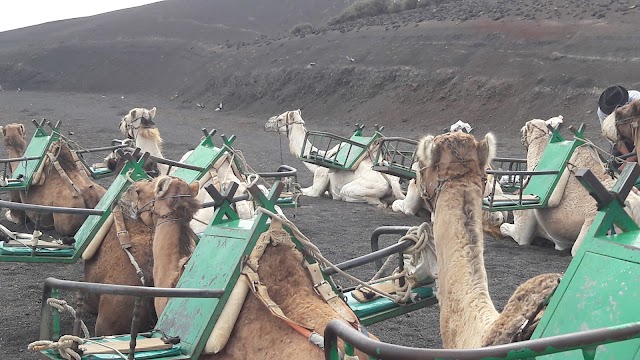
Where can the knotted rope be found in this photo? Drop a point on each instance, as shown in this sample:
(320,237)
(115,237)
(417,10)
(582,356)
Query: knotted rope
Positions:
(62,306)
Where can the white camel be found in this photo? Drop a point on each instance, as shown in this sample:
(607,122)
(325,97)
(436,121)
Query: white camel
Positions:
(360,185)
(138,126)
(571,211)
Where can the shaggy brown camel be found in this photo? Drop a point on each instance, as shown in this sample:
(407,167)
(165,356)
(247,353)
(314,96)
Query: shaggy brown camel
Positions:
(14,140)
(52,189)
(160,240)
(626,119)
(453,166)
(257,333)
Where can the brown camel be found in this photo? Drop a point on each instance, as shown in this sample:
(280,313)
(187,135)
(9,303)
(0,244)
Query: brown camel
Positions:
(51,188)
(627,118)
(14,140)
(158,233)
(453,166)
(257,333)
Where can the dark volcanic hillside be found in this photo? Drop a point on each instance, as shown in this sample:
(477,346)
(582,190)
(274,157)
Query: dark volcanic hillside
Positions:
(488,61)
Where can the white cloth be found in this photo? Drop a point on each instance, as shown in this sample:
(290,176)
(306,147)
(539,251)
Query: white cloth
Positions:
(461,126)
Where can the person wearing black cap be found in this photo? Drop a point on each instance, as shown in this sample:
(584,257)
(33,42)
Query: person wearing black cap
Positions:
(610,99)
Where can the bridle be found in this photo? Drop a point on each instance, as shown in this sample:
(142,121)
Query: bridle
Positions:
(131,127)
(431,199)
(149,206)
(287,124)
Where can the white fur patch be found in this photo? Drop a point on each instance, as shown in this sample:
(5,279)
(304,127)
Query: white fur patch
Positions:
(424,151)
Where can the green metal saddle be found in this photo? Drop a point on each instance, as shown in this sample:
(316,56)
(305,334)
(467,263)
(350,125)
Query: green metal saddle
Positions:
(542,181)
(131,171)
(396,157)
(34,156)
(340,153)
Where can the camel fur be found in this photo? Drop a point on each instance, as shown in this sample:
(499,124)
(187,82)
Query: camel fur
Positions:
(257,333)
(157,247)
(52,189)
(360,185)
(567,220)
(626,120)
(453,166)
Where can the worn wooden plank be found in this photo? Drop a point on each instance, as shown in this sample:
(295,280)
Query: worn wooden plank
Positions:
(149,344)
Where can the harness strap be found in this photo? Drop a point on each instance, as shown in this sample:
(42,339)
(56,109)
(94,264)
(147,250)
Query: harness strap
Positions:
(324,289)
(121,230)
(261,292)
(64,175)
(125,240)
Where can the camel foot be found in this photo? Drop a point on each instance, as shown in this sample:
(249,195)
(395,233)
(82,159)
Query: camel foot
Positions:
(8,216)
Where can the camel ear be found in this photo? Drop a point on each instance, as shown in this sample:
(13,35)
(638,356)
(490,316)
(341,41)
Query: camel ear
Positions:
(194,188)
(22,130)
(133,114)
(163,184)
(486,150)
(3,130)
(425,151)
(152,112)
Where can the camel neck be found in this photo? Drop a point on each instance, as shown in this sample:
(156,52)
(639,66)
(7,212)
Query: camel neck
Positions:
(151,146)
(466,309)
(297,133)
(15,150)
(170,244)
(535,150)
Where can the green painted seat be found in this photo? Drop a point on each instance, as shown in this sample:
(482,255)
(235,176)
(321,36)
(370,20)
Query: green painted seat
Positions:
(132,170)
(396,157)
(543,181)
(601,287)
(349,151)
(40,143)
(381,309)
(204,156)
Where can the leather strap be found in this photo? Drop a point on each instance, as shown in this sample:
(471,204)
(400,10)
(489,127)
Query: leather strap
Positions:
(324,289)
(63,175)
(121,230)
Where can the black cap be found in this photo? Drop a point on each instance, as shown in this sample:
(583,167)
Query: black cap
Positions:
(613,97)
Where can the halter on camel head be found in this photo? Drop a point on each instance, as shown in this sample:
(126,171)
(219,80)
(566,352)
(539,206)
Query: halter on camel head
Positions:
(450,157)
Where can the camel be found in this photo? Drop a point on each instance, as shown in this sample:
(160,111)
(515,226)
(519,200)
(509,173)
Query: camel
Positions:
(60,183)
(453,166)
(625,121)
(155,245)
(413,204)
(360,185)
(567,220)
(138,126)
(257,333)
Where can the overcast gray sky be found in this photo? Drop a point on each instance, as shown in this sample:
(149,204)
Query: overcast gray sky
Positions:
(20,13)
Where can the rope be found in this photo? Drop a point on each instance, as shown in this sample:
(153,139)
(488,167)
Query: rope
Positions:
(63,346)
(66,342)
(313,251)
(62,306)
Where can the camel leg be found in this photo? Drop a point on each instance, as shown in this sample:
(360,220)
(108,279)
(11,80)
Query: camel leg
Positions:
(66,224)
(523,228)
(15,216)
(361,190)
(320,183)
(583,233)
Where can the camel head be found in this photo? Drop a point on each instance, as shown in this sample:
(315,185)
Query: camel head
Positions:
(626,119)
(283,122)
(165,198)
(14,137)
(452,156)
(537,129)
(139,122)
